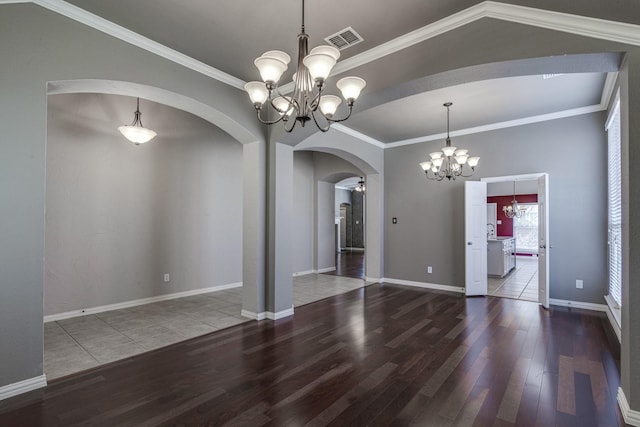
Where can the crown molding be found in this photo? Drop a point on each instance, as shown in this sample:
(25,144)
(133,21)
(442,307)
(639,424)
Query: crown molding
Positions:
(621,32)
(358,135)
(128,36)
(502,125)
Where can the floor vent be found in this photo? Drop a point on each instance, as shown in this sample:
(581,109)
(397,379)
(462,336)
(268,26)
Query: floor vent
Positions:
(344,38)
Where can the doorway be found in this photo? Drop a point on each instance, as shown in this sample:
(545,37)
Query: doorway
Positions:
(350,239)
(514,254)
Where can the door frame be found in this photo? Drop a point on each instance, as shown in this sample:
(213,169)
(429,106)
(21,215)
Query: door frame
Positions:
(528,177)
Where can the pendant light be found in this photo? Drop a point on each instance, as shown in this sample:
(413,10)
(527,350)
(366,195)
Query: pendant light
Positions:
(136,132)
(514,210)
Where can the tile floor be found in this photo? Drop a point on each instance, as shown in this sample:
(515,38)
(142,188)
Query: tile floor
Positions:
(76,344)
(521,283)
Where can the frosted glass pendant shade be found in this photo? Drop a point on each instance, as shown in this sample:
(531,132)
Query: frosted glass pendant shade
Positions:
(351,87)
(425,166)
(435,155)
(284,105)
(277,54)
(473,161)
(137,134)
(257,91)
(326,50)
(319,65)
(329,104)
(448,151)
(270,68)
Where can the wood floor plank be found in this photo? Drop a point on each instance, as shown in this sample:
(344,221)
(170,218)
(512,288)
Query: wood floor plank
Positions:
(384,355)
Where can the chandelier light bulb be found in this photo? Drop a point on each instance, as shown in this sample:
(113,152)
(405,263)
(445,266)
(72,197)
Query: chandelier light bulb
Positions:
(448,151)
(473,161)
(257,91)
(351,87)
(270,68)
(329,104)
(284,105)
(319,66)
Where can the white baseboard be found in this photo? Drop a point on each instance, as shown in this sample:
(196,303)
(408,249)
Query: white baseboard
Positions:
(252,315)
(136,302)
(304,273)
(578,304)
(424,285)
(373,279)
(280,314)
(20,387)
(326,270)
(631,417)
(614,316)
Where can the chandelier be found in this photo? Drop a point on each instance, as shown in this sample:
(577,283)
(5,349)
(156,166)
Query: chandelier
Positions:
(449,163)
(135,132)
(360,188)
(514,210)
(307,102)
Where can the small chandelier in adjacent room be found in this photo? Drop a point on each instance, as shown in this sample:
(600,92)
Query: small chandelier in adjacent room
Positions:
(301,106)
(136,132)
(360,188)
(514,210)
(449,163)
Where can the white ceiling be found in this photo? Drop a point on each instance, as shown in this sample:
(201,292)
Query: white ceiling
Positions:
(397,104)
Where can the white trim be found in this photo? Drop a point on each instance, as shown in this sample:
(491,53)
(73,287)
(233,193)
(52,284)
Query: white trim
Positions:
(524,177)
(252,315)
(136,302)
(370,280)
(502,125)
(630,416)
(303,273)
(94,21)
(280,314)
(596,28)
(425,285)
(621,32)
(614,316)
(578,304)
(613,111)
(358,135)
(608,88)
(326,270)
(20,387)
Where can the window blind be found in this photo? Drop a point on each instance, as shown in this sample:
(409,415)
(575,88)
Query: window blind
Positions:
(615,204)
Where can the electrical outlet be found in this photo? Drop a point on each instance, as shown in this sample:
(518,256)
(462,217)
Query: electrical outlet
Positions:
(429,270)
(579,284)
(167,278)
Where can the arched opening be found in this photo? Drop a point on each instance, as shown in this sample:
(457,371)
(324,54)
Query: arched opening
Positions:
(141,242)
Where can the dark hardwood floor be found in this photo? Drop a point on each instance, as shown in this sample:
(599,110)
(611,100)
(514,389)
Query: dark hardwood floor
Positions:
(384,355)
(349,264)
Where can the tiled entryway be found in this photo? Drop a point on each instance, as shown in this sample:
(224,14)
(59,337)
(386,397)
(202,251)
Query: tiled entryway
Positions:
(80,343)
(521,283)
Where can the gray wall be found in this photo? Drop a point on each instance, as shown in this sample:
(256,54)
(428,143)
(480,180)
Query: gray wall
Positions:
(44,46)
(119,216)
(430,228)
(303,211)
(342,196)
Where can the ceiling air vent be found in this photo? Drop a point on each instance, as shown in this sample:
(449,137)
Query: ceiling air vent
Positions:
(344,38)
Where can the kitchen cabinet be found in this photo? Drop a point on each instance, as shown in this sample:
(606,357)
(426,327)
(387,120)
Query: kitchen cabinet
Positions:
(501,257)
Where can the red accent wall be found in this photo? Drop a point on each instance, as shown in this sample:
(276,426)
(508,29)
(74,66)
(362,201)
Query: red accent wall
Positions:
(506,228)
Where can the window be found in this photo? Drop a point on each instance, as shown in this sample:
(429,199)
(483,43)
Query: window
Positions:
(525,230)
(614,204)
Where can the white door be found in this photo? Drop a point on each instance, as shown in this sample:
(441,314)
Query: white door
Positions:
(475,231)
(543,240)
